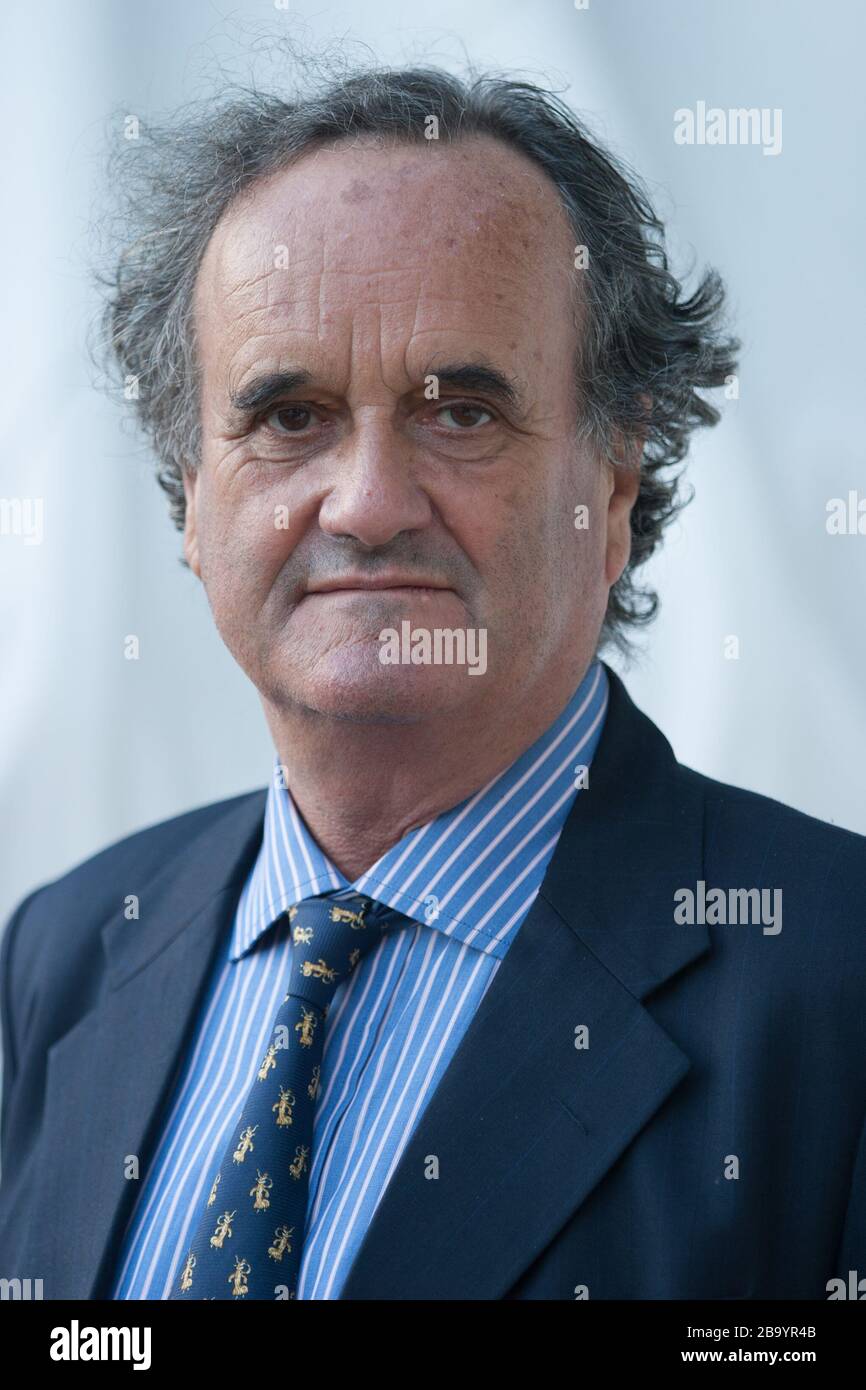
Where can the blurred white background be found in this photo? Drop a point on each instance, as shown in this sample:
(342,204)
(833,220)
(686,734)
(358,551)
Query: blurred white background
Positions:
(95,746)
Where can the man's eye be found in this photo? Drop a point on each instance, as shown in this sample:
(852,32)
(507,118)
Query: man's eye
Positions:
(289,419)
(461,410)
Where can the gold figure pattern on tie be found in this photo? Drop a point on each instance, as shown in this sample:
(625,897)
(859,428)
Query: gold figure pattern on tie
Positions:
(238,1277)
(302,936)
(284,1106)
(318,970)
(223,1229)
(306,1026)
(186,1272)
(245,1144)
(282,1243)
(260,1189)
(298,1165)
(313,1088)
(216,1182)
(269,1061)
(354,919)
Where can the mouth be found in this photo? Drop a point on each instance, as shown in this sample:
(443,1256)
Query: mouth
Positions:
(394,587)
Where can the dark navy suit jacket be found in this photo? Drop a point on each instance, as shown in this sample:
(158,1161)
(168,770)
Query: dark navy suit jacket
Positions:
(602,1171)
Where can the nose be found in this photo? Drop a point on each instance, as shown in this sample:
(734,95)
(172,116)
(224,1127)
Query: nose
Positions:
(375,493)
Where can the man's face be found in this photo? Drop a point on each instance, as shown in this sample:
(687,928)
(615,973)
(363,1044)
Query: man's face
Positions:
(335,498)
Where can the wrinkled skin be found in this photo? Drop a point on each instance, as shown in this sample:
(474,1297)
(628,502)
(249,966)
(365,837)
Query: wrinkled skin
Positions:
(371,268)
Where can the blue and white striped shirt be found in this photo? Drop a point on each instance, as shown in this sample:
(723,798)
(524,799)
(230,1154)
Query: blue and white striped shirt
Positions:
(465,882)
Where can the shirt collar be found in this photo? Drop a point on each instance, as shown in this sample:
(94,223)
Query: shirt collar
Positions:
(472,871)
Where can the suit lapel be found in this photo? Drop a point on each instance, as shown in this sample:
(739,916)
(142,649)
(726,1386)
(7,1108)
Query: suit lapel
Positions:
(117,1065)
(523,1124)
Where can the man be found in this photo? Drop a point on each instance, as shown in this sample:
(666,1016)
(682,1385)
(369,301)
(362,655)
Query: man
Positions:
(486,996)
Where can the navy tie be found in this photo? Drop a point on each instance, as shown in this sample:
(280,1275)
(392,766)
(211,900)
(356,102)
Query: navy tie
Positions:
(249,1236)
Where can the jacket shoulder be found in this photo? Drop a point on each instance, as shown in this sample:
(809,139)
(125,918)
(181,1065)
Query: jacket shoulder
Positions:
(757,806)
(747,822)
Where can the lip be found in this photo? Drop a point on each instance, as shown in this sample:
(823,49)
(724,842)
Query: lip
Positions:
(386,583)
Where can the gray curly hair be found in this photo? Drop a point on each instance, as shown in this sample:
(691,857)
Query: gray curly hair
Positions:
(646,352)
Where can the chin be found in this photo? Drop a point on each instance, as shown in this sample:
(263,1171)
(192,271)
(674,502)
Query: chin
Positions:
(352,684)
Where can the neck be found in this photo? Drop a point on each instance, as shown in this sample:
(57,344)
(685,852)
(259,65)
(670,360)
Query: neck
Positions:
(362,786)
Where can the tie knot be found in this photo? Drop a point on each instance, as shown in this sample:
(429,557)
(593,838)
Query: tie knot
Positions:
(329,937)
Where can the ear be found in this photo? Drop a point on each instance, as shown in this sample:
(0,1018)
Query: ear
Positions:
(190,534)
(625,485)
(624,480)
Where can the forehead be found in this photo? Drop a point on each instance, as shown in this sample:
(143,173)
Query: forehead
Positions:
(413,241)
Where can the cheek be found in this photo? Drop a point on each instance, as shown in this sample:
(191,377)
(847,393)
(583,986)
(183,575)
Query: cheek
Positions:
(546,568)
(538,543)
(244,542)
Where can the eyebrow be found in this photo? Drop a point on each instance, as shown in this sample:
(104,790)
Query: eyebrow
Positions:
(268,387)
(478,376)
